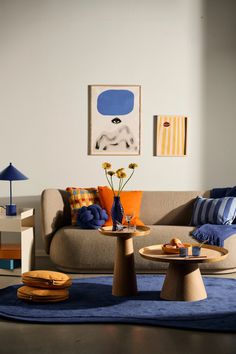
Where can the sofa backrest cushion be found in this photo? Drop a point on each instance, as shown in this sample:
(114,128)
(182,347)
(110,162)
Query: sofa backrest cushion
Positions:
(55,213)
(169,208)
(160,208)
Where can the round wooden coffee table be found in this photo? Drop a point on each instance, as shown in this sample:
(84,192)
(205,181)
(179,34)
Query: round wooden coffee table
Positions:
(183,281)
(124,277)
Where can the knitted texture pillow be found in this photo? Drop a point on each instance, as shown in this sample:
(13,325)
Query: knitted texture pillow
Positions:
(130,200)
(79,197)
(91,217)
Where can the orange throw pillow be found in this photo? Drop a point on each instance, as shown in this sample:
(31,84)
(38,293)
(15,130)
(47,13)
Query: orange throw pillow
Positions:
(130,200)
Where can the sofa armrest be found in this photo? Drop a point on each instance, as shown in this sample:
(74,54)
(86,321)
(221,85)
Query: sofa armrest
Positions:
(55,213)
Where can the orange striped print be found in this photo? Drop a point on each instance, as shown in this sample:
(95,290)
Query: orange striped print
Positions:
(171,135)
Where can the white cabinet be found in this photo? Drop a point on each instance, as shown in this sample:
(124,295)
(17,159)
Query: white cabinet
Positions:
(24,250)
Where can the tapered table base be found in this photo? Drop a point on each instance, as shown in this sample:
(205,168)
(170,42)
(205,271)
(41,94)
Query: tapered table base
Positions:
(183,282)
(124,279)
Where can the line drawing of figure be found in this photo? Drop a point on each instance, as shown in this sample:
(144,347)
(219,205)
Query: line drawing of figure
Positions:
(119,139)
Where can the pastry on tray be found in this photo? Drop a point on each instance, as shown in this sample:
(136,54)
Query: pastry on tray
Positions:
(174,245)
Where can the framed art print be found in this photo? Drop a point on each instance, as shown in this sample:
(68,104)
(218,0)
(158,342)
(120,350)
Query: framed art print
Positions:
(114,119)
(171,135)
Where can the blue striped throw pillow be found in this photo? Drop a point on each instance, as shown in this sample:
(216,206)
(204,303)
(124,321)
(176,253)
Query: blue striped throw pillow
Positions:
(221,211)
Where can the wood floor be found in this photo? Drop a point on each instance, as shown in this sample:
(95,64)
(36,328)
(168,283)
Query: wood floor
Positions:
(17,337)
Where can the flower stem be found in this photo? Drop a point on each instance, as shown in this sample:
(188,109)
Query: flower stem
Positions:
(120,185)
(127,181)
(110,184)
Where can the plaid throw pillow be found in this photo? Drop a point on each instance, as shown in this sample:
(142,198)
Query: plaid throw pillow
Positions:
(220,211)
(79,197)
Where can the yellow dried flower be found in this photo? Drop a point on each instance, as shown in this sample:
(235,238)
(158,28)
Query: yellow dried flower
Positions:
(121,174)
(106,165)
(120,170)
(133,166)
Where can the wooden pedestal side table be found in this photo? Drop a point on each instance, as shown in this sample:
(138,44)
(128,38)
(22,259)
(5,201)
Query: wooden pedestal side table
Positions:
(24,250)
(124,277)
(183,281)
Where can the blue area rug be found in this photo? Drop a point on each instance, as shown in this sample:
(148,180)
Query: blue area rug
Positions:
(91,302)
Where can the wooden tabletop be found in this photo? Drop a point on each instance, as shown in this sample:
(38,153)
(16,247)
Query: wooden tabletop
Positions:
(140,231)
(208,254)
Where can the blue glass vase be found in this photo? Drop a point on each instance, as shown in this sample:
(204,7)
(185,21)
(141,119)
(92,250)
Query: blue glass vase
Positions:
(117,212)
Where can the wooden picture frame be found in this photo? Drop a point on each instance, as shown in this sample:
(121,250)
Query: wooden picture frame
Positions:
(171,135)
(114,119)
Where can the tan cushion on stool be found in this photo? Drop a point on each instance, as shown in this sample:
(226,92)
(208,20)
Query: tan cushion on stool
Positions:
(42,295)
(46,279)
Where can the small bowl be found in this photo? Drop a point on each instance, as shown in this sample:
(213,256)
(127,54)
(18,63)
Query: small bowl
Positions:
(172,249)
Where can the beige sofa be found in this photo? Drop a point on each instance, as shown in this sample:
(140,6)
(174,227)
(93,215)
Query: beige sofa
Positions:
(87,251)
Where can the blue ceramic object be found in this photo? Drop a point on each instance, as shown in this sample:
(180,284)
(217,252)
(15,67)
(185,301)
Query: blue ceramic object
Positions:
(196,251)
(11,209)
(117,212)
(183,251)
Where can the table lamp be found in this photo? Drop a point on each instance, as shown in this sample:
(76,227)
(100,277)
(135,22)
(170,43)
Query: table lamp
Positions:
(10,174)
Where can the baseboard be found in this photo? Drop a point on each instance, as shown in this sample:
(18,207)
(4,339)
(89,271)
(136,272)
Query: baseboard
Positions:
(41,253)
(43,261)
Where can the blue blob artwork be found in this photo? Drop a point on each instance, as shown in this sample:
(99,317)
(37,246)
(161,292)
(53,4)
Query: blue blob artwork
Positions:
(115,102)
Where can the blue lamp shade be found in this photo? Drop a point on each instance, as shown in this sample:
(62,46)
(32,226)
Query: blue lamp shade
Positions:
(10,174)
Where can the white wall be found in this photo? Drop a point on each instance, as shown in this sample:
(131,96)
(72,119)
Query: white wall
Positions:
(219,84)
(51,50)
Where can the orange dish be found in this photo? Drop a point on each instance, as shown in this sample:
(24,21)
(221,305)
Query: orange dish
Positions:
(167,248)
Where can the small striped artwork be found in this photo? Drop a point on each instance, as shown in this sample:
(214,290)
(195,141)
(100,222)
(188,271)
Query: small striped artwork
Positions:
(171,134)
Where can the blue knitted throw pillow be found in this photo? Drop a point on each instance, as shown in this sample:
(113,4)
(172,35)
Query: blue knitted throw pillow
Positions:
(91,217)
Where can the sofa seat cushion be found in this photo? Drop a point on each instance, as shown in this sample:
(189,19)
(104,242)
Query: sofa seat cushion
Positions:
(76,250)
(79,250)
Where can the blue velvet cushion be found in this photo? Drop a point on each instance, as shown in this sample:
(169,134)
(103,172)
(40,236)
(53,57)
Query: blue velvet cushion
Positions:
(221,211)
(231,192)
(91,217)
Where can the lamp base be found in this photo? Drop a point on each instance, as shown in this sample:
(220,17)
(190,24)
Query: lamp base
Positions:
(11,209)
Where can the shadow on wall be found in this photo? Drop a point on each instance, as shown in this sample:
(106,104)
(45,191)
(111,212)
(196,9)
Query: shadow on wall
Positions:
(219,90)
(29,202)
